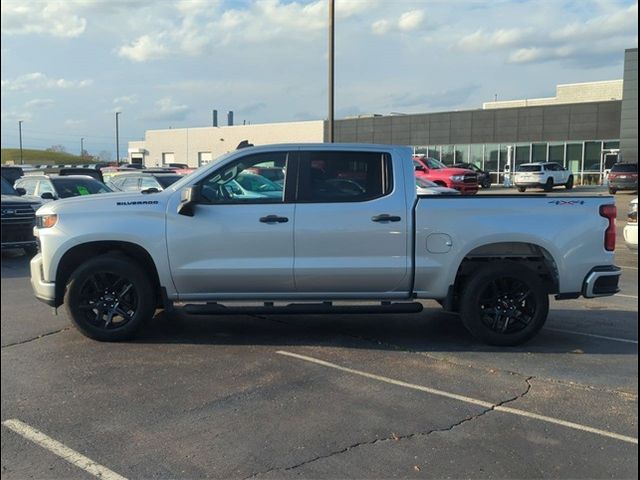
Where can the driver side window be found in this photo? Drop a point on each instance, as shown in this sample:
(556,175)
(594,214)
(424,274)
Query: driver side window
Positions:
(242,181)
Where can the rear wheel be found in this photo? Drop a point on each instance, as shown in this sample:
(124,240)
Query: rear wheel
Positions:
(522,189)
(108,298)
(569,184)
(549,185)
(504,304)
(612,191)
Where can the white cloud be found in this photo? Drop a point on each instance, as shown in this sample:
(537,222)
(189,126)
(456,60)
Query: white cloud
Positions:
(482,41)
(410,21)
(381,27)
(128,99)
(38,80)
(144,48)
(168,109)
(39,103)
(70,122)
(56,18)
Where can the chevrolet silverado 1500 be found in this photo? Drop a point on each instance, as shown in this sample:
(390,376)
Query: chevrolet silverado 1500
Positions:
(347,226)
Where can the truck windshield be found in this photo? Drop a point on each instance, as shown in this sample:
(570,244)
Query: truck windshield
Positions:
(434,164)
(529,168)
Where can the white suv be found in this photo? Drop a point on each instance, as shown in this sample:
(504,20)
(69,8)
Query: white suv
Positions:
(544,175)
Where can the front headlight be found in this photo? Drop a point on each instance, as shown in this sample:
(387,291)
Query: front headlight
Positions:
(46,221)
(632,215)
(457,178)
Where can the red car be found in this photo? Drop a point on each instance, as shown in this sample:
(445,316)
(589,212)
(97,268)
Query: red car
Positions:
(463,180)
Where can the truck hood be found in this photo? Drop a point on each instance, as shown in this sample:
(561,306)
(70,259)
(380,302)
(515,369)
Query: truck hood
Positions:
(108,202)
(456,171)
(17,199)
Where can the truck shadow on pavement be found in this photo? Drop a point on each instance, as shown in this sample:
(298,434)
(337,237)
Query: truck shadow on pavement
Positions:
(430,331)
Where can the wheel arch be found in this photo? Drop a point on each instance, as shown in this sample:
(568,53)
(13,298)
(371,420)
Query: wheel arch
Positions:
(530,255)
(75,256)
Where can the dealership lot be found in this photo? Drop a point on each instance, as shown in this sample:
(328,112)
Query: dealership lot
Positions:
(322,397)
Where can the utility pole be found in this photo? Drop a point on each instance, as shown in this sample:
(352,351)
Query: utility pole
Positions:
(117,141)
(20,133)
(331,63)
(81,148)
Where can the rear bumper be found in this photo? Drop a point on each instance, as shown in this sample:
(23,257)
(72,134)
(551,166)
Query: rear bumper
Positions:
(601,282)
(44,291)
(623,184)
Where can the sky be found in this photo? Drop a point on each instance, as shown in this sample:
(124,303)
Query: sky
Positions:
(68,66)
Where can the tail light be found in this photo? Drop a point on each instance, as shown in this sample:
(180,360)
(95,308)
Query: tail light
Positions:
(609,212)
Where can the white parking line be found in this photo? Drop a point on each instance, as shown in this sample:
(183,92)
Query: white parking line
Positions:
(462,398)
(626,296)
(603,337)
(61,450)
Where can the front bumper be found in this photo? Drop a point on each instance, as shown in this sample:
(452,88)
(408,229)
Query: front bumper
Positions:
(44,291)
(465,188)
(22,244)
(601,282)
(630,233)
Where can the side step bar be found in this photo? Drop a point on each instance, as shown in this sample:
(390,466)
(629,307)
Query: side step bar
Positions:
(302,308)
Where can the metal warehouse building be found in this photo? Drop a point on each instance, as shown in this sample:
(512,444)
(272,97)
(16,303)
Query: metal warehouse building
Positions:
(587,127)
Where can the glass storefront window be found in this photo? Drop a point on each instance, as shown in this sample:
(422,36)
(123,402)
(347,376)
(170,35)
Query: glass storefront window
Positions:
(462,154)
(420,150)
(574,157)
(522,154)
(434,152)
(539,152)
(612,144)
(556,153)
(447,154)
(592,157)
(475,154)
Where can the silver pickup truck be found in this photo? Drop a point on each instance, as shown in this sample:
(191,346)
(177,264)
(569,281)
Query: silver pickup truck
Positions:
(341,230)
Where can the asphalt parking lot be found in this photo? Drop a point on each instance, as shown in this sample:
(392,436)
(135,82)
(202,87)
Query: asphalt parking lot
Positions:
(407,396)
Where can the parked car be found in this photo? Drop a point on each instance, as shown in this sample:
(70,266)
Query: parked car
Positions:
(623,176)
(49,187)
(139,181)
(631,228)
(461,179)
(179,166)
(89,172)
(427,187)
(18,219)
(545,175)
(493,259)
(484,176)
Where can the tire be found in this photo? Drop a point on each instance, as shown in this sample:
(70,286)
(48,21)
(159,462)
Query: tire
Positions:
(504,287)
(569,184)
(612,191)
(109,297)
(549,185)
(522,189)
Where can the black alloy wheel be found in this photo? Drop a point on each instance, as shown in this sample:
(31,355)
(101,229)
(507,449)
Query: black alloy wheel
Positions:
(504,303)
(549,185)
(109,297)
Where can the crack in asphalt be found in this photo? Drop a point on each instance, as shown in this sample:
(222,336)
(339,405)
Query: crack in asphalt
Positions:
(22,342)
(397,438)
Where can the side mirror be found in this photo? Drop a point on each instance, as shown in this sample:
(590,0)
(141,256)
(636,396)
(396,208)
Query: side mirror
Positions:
(21,191)
(47,196)
(188,200)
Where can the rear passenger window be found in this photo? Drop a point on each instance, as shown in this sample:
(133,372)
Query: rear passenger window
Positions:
(331,176)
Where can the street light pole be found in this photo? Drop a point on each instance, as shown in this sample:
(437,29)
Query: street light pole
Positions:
(20,133)
(117,141)
(81,148)
(331,63)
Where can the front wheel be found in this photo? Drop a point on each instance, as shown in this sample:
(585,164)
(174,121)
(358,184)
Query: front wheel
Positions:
(504,304)
(612,191)
(108,298)
(569,184)
(522,189)
(549,185)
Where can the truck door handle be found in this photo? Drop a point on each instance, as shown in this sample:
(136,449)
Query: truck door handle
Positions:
(385,218)
(273,219)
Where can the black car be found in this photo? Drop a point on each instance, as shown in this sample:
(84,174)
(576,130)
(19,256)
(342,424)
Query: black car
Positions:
(623,176)
(484,176)
(144,180)
(18,219)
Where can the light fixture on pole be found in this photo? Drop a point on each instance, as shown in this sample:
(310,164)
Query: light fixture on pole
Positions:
(20,133)
(331,63)
(117,141)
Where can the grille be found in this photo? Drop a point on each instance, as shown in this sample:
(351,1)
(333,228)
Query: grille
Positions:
(471,179)
(17,215)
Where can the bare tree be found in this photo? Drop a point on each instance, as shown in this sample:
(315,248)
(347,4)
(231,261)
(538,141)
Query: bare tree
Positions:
(56,148)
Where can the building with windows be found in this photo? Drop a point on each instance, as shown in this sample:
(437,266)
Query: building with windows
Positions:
(586,127)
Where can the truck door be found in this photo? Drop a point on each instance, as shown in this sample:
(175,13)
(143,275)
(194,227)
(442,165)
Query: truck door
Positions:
(240,238)
(351,225)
